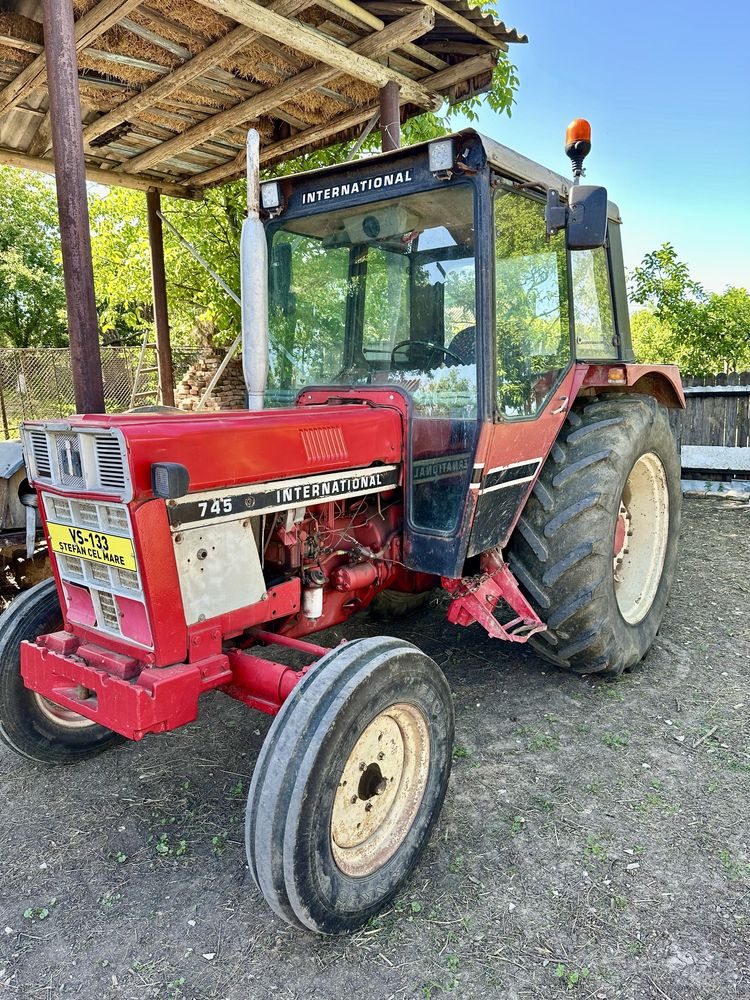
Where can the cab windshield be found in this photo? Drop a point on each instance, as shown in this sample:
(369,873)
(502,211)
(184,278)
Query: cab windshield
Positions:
(381,293)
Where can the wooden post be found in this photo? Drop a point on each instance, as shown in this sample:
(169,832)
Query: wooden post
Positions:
(72,204)
(390,117)
(159,286)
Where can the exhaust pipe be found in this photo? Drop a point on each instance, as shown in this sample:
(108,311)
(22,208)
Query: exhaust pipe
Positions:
(254,284)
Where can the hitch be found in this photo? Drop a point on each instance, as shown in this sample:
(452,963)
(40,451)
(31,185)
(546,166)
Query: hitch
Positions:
(476,597)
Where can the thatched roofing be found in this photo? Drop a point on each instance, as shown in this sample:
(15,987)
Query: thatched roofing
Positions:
(169,87)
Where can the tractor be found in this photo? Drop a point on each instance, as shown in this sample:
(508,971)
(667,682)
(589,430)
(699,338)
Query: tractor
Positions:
(441,394)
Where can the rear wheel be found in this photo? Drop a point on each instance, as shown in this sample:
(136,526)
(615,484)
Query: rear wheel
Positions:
(349,784)
(596,546)
(30,724)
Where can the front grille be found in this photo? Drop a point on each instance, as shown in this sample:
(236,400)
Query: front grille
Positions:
(91,461)
(110,618)
(88,513)
(113,590)
(115,519)
(100,574)
(128,580)
(109,463)
(40,454)
(59,509)
(70,566)
(69,461)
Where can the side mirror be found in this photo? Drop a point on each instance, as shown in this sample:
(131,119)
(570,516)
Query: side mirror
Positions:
(586,226)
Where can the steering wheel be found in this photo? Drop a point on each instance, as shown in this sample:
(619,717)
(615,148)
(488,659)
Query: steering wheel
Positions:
(428,357)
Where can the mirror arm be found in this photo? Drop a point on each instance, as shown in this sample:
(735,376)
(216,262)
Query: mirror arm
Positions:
(555,214)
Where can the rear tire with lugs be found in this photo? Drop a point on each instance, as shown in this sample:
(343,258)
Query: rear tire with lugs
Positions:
(349,784)
(596,546)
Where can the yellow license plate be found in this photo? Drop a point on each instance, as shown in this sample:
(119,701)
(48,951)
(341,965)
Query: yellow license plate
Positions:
(98,546)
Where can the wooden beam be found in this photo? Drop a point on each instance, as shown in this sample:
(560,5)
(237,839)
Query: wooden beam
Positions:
(364,17)
(413,25)
(72,206)
(320,47)
(88,27)
(390,118)
(441,81)
(205,60)
(464,23)
(98,176)
(159,288)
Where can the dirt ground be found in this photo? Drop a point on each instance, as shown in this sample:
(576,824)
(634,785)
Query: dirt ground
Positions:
(595,841)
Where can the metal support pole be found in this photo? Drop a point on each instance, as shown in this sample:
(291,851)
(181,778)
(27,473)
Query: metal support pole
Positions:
(159,288)
(390,117)
(72,204)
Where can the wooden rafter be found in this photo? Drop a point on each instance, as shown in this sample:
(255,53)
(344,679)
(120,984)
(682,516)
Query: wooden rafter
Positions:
(364,17)
(321,47)
(179,78)
(317,133)
(88,27)
(411,26)
(108,177)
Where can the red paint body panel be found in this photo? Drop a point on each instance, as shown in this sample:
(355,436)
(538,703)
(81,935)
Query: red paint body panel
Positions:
(156,701)
(227,449)
(661,381)
(357,547)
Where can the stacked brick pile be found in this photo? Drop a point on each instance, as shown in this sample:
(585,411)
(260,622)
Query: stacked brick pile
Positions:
(229,394)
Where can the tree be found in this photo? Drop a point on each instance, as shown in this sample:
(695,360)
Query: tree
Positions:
(32,294)
(683,324)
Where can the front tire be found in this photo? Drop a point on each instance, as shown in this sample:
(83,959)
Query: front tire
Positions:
(349,784)
(596,546)
(31,725)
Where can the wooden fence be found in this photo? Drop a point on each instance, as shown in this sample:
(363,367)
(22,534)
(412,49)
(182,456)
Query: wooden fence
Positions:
(717,411)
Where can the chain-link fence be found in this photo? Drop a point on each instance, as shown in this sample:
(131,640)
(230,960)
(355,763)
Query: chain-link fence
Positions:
(37,383)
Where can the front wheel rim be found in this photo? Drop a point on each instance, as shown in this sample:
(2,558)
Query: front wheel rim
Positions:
(63,717)
(641,536)
(380,790)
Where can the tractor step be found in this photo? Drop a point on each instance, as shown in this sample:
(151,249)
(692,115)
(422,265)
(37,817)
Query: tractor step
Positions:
(476,598)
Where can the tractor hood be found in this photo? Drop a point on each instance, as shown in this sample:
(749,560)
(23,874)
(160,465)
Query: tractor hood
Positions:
(221,449)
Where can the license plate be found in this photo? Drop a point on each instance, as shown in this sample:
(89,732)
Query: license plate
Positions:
(97,546)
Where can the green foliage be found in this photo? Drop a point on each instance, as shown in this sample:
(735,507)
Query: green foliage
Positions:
(198,307)
(682,324)
(32,295)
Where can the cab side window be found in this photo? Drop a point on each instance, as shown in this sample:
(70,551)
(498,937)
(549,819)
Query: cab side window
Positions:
(532,320)
(592,305)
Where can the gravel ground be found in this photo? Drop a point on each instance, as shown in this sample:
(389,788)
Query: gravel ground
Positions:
(594,842)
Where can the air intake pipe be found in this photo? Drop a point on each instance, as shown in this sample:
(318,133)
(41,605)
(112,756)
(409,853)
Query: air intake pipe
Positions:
(254,284)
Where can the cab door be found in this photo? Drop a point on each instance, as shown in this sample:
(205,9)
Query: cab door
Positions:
(534,371)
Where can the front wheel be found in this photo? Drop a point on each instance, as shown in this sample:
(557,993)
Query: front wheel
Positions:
(349,784)
(30,724)
(596,546)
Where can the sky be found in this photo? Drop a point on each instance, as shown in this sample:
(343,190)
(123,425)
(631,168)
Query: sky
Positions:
(666,87)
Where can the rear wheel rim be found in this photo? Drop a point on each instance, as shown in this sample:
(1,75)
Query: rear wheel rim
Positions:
(641,535)
(60,716)
(380,790)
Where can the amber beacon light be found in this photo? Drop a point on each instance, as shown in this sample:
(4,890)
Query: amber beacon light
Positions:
(578,144)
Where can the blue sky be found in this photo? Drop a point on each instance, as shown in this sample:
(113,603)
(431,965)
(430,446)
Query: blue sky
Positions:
(666,87)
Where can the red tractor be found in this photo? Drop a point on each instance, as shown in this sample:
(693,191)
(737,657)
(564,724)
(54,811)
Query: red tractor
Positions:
(441,394)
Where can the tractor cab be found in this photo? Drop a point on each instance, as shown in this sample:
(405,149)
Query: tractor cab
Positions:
(437,272)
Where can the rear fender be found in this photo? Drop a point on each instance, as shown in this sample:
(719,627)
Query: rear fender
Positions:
(660,381)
